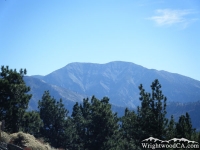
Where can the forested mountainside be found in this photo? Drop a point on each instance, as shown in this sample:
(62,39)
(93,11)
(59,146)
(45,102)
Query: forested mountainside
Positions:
(118,81)
(93,124)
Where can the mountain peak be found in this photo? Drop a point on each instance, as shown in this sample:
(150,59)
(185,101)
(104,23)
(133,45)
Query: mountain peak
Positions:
(120,80)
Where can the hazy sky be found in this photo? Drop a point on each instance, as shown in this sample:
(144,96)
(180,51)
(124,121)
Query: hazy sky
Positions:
(45,35)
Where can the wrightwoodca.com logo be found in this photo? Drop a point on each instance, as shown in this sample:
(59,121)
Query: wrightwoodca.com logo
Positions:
(154,143)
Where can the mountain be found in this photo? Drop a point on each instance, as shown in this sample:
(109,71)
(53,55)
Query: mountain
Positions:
(178,109)
(38,87)
(120,80)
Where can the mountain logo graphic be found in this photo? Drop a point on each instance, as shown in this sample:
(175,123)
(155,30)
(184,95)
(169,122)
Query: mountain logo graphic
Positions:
(152,139)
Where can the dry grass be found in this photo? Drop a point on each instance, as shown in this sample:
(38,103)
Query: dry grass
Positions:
(25,140)
(5,137)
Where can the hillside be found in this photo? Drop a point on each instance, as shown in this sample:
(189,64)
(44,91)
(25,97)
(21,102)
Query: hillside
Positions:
(39,86)
(178,109)
(120,80)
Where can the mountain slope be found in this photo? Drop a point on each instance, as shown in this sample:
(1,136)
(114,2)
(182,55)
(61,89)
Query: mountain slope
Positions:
(39,86)
(120,80)
(178,109)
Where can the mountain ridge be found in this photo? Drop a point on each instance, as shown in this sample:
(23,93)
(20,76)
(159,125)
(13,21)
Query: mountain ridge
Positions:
(120,80)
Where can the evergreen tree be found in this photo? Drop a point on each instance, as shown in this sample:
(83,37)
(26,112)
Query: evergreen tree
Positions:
(85,135)
(171,130)
(96,125)
(13,98)
(31,123)
(53,115)
(80,127)
(70,136)
(104,128)
(198,138)
(151,114)
(129,130)
(184,127)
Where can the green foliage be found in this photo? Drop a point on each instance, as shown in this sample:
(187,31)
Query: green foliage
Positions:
(92,124)
(104,129)
(53,115)
(184,127)
(171,131)
(80,124)
(198,137)
(129,130)
(151,114)
(31,123)
(13,98)
(70,135)
(96,125)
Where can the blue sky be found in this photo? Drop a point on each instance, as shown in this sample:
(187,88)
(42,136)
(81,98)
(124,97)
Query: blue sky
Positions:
(43,36)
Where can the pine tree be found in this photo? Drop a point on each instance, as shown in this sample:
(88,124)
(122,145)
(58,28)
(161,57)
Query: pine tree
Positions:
(129,130)
(79,123)
(184,127)
(104,128)
(151,114)
(171,129)
(87,121)
(53,115)
(96,125)
(69,140)
(13,98)
(32,123)
(198,138)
